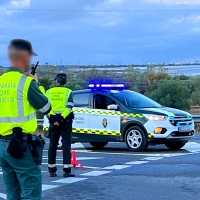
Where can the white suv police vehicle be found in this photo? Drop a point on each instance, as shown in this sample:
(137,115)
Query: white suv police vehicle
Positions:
(105,114)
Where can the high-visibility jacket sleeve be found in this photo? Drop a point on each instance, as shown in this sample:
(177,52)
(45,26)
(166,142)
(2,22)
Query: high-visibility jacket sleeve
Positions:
(69,106)
(37,99)
(42,89)
(51,111)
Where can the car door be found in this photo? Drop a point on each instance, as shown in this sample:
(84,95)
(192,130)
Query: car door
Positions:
(104,124)
(81,122)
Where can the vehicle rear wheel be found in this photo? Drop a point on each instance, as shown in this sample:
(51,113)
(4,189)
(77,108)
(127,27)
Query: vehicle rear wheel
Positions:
(98,145)
(175,145)
(136,139)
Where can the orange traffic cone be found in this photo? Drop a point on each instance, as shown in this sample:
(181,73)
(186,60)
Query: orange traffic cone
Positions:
(75,162)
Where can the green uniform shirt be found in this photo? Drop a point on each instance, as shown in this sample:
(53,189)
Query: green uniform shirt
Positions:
(35,96)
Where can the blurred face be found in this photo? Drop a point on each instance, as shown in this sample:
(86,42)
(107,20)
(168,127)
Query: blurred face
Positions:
(26,60)
(20,59)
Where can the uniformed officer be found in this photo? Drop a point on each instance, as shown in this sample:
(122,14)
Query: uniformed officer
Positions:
(60,120)
(20,97)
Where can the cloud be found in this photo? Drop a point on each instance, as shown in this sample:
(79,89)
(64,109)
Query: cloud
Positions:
(20,3)
(97,31)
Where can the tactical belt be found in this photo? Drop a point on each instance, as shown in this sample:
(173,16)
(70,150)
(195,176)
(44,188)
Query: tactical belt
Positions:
(9,137)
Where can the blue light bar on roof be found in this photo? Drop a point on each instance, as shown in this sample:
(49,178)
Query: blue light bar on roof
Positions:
(107,85)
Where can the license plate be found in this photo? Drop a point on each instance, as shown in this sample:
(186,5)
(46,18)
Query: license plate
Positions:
(187,128)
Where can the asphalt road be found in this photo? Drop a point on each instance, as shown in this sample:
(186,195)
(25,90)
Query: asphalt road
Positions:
(115,173)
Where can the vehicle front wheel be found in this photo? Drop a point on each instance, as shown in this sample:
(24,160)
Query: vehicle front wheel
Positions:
(175,145)
(136,139)
(98,145)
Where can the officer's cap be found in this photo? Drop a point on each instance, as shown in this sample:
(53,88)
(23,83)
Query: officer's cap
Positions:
(21,44)
(61,76)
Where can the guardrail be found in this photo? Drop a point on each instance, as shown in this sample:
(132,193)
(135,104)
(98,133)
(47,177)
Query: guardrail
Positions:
(195,117)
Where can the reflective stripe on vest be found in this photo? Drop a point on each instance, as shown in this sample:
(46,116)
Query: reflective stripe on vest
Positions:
(21,117)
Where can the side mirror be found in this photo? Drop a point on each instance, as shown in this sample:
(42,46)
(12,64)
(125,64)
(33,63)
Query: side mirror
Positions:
(112,107)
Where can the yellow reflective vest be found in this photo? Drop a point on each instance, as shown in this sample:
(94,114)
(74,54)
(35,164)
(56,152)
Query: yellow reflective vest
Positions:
(58,97)
(16,111)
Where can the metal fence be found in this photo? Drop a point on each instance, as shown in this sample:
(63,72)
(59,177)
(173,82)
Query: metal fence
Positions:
(195,117)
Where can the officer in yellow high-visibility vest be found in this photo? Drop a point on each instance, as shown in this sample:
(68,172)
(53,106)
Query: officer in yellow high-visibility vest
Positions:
(20,97)
(60,120)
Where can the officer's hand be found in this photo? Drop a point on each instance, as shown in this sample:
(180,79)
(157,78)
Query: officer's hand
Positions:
(56,124)
(33,76)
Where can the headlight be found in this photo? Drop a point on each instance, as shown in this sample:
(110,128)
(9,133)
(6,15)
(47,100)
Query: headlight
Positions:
(155,117)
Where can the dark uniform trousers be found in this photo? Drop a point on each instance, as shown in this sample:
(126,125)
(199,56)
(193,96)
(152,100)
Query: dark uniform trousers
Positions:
(64,130)
(22,177)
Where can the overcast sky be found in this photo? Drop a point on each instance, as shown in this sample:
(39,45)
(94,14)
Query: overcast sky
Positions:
(103,31)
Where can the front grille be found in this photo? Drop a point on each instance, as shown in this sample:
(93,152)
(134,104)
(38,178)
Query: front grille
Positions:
(180,120)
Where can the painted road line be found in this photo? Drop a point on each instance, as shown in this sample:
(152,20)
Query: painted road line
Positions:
(48,187)
(77,151)
(136,162)
(3,196)
(153,158)
(76,167)
(89,167)
(78,146)
(117,167)
(78,158)
(1,172)
(69,180)
(95,173)
(192,147)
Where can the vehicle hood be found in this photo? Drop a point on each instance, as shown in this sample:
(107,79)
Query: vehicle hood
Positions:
(169,111)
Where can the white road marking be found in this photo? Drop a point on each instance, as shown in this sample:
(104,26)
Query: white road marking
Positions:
(83,166)
(78,158)
(92,167)
(47,187)
(153,158)
(117,167)
(69,180)
(1,172)
(192,147)
(95,173)
(77,146)
(77,151)
(3,196)
(136,162)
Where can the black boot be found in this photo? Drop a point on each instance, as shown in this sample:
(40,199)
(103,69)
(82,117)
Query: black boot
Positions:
(52,171)
(67,173)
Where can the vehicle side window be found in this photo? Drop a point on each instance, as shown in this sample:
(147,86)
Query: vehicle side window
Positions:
(101,101)
(81,100)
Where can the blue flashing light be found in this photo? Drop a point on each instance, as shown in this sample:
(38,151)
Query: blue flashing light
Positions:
(106,85)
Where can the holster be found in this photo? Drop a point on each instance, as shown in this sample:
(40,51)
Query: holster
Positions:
(56,118)
(36,146)
(18,144)
(69,117)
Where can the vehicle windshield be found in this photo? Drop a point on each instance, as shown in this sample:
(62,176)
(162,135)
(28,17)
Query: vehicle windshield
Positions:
(135,100)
